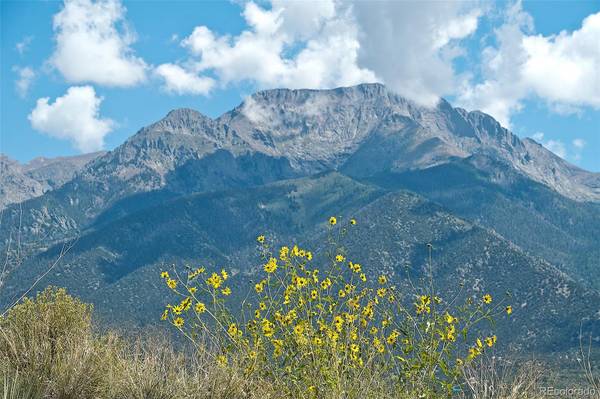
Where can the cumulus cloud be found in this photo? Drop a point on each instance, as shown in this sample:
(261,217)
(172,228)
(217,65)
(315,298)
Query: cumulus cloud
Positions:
(25,78)
(324,44)
(90,47)
(74,117)
(180,81)
(560,69)
(411,45)
(293,44)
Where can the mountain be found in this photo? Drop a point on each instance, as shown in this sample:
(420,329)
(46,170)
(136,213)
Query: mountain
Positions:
(116,266)
(20,182)
(15,185)
(361,131)
(530,214)
(503,213)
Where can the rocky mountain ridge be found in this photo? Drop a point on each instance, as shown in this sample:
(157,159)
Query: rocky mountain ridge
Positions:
(20,182)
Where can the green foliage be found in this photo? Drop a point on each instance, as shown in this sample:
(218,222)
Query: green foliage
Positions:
(48,341)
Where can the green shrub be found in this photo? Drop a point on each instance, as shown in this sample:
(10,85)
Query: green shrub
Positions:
(48,341)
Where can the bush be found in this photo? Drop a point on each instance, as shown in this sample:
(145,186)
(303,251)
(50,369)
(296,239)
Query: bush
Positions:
(48,350)
(332,331)
(48,341)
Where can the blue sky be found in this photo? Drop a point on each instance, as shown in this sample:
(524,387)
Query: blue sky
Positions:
(83,75)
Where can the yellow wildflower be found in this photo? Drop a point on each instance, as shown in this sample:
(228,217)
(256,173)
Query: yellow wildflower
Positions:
(259,287)
(352,221)
(200,307)
(214,281)
(178,322)
(232,330)
(509,310)
(267,328)
(332,220)
(164,275)
(222,360)
(326,283)
(226,291)
(382,279)
(260,239)
(283,253)
(299,329)
(171,283)
(301,282)
(487,298)
(271,265)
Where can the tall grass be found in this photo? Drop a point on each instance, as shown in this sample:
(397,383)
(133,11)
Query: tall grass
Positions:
(48,349)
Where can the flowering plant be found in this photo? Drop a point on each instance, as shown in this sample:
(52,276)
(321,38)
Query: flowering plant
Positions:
(333,328)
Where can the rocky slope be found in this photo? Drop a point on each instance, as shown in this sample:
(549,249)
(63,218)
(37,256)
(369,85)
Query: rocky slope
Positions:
(20,182)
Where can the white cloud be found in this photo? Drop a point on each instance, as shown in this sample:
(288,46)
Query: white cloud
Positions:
(324,38)
(579,144)
(565,68)
(560,148)
(323,44)
(26,75)
(538,136)
(180,81)
(23,45)
(91,48)
(562,70)
(557,147)
(411,45)
(74,117)
(294,44)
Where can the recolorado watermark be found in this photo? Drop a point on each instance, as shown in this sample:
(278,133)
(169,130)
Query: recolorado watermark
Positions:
(570,392)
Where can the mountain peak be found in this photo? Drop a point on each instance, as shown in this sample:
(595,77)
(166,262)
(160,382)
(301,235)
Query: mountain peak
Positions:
(179,113)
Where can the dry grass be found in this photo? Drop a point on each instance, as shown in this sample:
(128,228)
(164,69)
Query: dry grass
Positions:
(48,350)
(491,378)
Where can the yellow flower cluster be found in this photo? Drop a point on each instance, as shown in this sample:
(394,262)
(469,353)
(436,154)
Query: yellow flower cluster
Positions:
(271,265)
(329,320)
